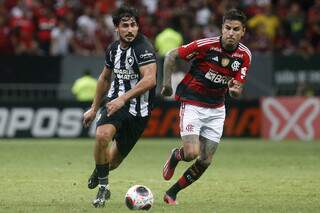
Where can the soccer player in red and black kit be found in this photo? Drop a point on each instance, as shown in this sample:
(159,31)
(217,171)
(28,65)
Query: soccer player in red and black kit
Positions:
(219,65)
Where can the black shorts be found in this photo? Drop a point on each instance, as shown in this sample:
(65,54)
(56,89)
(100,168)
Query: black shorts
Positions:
(129,128)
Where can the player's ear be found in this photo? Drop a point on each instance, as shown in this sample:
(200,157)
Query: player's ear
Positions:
(243,31)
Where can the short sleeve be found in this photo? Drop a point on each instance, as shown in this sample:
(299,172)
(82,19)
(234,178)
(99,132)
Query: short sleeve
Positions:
(108,58)
(241,76)
(145,54)
(188,51)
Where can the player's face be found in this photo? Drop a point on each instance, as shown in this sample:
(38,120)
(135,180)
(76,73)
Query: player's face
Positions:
(232,32)
(127,29)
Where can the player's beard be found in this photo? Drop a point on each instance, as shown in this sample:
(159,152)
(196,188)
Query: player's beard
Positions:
(127,40)
(230,46)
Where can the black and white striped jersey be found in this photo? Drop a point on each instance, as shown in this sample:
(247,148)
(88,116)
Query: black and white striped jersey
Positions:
(124,64)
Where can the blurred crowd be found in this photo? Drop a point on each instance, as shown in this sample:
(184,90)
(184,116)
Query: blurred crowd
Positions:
(84,27)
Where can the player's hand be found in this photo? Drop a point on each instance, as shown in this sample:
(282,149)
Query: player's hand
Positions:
(88,117)
(234,84)
(166,91)
(114,105)
(235,88)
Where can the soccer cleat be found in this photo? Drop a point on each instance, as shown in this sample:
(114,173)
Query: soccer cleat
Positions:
(170,200)
(93,180)
(102,195)
(169,167)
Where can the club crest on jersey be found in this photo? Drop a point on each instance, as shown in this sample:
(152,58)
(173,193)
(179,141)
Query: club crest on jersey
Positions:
(130,60)
(235,66)
(225,62)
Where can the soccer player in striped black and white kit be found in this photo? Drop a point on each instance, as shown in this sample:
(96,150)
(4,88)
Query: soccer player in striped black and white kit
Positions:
(132,62)
(218,65)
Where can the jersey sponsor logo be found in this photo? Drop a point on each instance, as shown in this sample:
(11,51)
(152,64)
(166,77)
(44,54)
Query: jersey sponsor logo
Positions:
(235,66)
(217,78)
(191,55)
(216,49)
(225,62)
(243,72)
(216,59)
(237,55)
(146,55)
(125,74)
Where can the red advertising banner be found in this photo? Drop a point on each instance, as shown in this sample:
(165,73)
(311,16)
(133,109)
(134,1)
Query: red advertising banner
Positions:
(290,118)
(243,119)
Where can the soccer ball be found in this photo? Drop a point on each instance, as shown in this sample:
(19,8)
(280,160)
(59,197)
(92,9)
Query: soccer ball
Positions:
(139,197)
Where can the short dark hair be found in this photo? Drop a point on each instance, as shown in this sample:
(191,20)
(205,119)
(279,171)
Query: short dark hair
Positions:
(235,14)
(125,11)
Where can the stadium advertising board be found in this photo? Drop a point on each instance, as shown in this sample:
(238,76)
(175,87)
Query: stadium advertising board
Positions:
(291,118)
(65,120)
(291,72)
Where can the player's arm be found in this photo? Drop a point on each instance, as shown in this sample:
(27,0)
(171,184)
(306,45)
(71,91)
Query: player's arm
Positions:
(235,85)
(103,85)
(168,67)
(147,82)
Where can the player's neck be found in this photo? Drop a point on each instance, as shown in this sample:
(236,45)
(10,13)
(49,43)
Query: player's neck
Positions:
(124,45)
(229,48)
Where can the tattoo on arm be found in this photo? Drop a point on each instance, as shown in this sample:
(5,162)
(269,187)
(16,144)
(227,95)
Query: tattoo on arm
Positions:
(169,66)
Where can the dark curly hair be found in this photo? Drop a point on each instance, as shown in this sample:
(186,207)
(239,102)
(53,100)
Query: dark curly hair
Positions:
(235,14)
(125,11)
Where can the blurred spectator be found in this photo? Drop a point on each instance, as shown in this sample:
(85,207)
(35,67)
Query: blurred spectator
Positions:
(169,38)
(295,23)
(46,22)
(22,32)
(30,23)
(259,41)
(5,42)
(314,25)
(61,39)
(211,29)
(266,21)
(84,88)
(203,13)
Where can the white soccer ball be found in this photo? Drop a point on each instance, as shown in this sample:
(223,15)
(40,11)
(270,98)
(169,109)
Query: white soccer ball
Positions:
(139,197)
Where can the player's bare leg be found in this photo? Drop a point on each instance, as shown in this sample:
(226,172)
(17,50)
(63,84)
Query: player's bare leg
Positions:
(188,152)
(104,135)
(193,173)
(115,159)
(178,154)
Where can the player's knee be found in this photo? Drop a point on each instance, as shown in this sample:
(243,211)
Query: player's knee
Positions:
(103,137)
(190,155)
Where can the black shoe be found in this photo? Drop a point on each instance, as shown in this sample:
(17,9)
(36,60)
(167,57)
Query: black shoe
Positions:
(93,180)
(102,195)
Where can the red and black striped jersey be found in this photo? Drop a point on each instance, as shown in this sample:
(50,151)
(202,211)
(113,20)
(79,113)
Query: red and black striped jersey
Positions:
(206,83)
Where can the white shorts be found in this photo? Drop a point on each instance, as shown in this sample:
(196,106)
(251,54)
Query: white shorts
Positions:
(207,122)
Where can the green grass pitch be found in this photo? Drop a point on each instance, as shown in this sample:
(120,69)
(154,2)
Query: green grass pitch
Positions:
(246,176)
